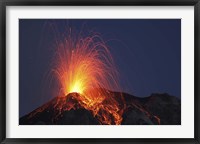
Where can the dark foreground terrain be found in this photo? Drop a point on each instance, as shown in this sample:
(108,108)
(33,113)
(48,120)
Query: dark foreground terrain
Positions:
(156,109)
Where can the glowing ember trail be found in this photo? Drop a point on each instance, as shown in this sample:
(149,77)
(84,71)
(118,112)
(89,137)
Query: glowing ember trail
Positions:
(84,65)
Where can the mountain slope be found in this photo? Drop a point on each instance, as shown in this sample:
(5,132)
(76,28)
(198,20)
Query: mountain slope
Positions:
(70,110)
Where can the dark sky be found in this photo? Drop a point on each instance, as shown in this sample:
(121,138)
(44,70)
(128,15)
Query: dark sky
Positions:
(147,53)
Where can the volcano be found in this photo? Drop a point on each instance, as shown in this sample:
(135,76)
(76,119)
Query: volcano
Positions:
(156,109)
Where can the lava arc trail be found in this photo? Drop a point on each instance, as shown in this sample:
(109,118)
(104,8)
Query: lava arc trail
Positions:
(84,65)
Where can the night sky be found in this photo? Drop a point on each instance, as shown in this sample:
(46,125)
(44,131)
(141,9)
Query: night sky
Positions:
(147,53)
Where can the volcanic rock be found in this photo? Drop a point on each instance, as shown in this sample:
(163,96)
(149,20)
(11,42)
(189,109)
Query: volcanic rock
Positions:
(156,109)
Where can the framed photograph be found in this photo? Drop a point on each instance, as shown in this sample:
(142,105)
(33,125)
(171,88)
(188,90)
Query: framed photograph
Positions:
(99,71)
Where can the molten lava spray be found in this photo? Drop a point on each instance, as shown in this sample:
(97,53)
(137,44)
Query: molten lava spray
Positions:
(84,65)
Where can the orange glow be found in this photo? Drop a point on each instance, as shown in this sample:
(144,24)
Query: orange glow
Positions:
(83,64)
(77,87)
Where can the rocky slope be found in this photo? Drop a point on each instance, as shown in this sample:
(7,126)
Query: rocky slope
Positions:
(156,109)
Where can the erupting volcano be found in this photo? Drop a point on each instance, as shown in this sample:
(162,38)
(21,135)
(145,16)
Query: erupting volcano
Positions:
(88,81)
(84,65)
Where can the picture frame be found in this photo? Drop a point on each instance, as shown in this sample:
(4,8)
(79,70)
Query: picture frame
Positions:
(3,84)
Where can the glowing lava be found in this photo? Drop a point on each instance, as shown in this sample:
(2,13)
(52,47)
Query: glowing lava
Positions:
(77,87)
(83,64)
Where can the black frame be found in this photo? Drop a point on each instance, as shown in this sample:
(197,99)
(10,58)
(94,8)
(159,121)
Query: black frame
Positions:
(4,3)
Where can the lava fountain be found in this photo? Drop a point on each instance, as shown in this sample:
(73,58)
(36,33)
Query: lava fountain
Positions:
(84,65)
